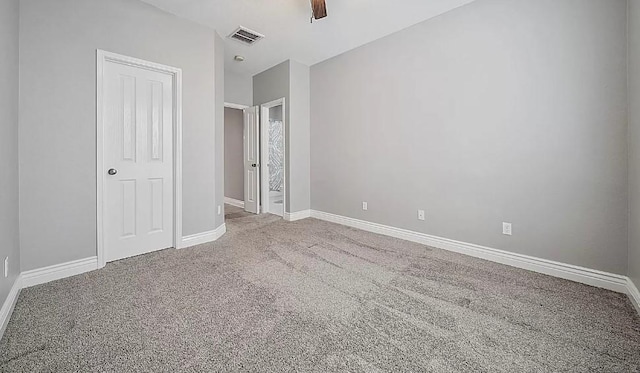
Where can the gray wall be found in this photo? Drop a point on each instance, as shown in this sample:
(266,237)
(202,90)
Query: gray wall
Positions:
(275,113)
(497,111)
(238,88)
(299,161)
(270,85)
(219,129)
(233,154)
(634,141)
(291,80)
(9,144)
(57,116)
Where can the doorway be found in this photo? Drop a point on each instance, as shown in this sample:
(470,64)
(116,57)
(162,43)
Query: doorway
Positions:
(233,154)
(138,157)
(273,155)
(264,154)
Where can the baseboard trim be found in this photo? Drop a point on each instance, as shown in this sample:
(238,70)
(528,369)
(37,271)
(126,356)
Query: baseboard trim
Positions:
(204,237)
(610,281)
(234,202)
(9,304)
(298,215)
(634,294)
(58,271)
(587,276)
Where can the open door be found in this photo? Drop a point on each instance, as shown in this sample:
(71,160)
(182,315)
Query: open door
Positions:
(273,155)
(252,160)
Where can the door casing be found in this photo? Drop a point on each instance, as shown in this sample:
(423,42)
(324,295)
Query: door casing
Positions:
(104,57)
(264,151)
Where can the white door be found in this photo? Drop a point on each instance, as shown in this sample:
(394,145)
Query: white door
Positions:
(264,155)
(251,160)
(138,159)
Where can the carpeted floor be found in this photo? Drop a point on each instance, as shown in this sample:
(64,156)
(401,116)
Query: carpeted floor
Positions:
(275,296)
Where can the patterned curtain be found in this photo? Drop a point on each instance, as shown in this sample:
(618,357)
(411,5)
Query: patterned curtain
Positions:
(276,155)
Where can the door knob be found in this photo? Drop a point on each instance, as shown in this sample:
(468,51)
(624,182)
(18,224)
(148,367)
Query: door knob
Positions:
(112,171)
(253,165)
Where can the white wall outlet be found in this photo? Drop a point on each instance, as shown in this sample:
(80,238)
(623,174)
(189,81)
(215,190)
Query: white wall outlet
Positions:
(365,206)
(420,214)
(506,229)
(6,267)
(219,209)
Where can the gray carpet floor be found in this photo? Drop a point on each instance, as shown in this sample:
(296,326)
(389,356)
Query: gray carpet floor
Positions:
(274,296)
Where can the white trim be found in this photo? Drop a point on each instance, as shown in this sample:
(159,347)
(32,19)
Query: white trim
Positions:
(204,237)
(634,294)
(583,275)
(605,280)
(9,304)
(57,271)
(264,154)
(235,106)
(251,119)
(103,57)
(234,202)
(298,215)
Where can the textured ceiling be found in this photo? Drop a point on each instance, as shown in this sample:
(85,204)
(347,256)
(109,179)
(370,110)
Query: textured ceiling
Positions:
(290,35)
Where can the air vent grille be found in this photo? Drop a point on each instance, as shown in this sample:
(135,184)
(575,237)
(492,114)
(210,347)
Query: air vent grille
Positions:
(246,36)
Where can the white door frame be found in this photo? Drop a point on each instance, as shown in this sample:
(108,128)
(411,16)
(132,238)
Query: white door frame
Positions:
(231,105)
(102,58)
(264,153)
(228,200)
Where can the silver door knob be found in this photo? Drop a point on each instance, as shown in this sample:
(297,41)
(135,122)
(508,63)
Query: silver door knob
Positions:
(112,171)
(253,165)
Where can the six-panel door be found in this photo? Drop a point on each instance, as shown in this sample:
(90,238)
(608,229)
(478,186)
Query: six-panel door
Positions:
(251,160)
(138,149)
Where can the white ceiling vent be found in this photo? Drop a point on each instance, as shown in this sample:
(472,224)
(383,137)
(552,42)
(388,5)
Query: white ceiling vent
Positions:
(246,36)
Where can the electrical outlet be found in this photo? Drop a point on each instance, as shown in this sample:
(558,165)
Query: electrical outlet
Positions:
(219,209)
(364,206)
(6,267)
(506,229)
(420,214)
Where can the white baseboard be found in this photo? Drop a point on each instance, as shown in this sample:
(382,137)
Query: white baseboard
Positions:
(587,276)
(634,294)
(200,238)
(9,304)
(55,272)
(583,275)
(234,202)
(298,215)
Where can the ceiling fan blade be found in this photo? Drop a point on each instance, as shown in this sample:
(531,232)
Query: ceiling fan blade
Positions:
(319,8)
